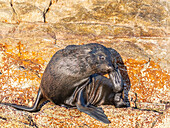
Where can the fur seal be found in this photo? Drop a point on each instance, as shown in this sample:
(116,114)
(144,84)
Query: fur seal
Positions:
(74,78)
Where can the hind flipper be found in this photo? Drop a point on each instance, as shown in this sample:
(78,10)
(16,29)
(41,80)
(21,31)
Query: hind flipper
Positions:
(94,112)
(91,110)
(36,107)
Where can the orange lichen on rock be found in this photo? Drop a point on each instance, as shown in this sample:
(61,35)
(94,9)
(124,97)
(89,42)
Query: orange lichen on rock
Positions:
(18,76)
(151,83)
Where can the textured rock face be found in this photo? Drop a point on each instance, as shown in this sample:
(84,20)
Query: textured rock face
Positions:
(32,31)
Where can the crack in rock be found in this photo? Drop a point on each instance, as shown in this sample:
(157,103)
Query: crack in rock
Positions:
(14,12)
(46,10)
(3,118)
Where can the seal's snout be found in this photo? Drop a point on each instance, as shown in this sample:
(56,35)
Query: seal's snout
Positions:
(110,68)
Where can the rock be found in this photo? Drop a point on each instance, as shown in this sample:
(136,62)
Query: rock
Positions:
(32,31)
(64,9)
(27,12)
(6,29)
(7,14)
(41,4)
(164,120)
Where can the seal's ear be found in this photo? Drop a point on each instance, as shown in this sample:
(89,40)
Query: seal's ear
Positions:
(71,47)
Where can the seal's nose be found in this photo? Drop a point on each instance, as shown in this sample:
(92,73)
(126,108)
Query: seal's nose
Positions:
(110,68)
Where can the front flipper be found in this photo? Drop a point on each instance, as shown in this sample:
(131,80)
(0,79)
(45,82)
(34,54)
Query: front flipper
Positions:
(91,110)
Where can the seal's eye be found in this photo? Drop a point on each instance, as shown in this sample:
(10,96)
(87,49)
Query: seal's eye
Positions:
(102,57)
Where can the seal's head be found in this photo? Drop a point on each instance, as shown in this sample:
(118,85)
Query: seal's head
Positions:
(97,57)
(100,59)
(102,62)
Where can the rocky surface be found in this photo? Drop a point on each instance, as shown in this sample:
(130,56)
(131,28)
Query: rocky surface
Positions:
(31,32)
